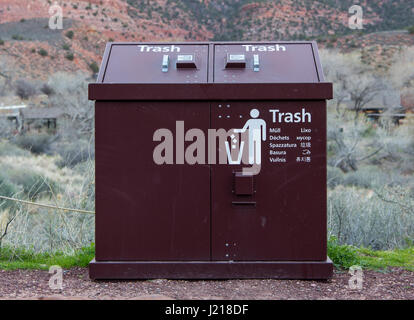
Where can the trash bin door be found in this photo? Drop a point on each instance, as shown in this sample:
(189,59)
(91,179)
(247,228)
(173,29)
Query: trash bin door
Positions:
(145,210)
(280,212)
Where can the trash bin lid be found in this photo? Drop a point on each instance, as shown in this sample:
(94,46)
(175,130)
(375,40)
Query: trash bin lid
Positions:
(156,63)
(281,62)
(211,71)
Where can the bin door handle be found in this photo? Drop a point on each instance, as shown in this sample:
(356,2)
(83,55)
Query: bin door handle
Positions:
(165,60)
(243,184)
(244,203)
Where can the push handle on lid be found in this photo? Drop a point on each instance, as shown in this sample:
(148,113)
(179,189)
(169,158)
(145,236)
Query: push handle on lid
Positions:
(256,64)
(165,60)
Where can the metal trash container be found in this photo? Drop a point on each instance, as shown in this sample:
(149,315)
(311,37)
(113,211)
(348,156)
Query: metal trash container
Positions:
(211,161)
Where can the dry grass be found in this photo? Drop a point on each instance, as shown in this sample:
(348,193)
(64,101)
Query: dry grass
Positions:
(46,166)
(45,229)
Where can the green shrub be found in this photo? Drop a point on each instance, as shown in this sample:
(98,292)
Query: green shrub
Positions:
(364,177)
(94,67)
(10,149)
(66,46)
(70,34)
(381,220)
(70,56)
(47,89)
(7,189)
(372,177)
(73,153)
(43,52)
(17,37)
(335,177)
(24,89)
(35,143)
(342,256)
(87,170)
(32,183)
(7,128)
(1,42)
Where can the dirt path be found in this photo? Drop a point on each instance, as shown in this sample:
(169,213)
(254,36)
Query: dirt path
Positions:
(29,284)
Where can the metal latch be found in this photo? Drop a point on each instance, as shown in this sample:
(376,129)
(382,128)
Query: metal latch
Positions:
(234,60)
(185,61)
(256,65)
(165,60)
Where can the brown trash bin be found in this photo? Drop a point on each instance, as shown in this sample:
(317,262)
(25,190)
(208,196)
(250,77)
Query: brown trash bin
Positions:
(211,161)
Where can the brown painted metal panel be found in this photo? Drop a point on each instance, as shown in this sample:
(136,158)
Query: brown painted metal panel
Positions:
(277,63)
(210,91)
(211,269)
(285,219)
(209,221)
(146,211)
(142,63)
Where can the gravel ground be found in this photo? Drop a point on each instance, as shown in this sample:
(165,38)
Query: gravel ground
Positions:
(31,284)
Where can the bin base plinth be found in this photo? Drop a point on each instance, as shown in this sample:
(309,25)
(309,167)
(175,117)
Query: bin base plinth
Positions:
(210,269)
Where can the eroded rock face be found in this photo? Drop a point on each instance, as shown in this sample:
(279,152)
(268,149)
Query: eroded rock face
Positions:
(94,24)
(24,30)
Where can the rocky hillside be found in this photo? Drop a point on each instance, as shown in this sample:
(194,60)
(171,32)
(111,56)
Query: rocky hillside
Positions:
(29,49)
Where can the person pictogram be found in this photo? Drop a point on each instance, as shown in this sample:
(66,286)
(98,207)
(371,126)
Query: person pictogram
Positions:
(257,132)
